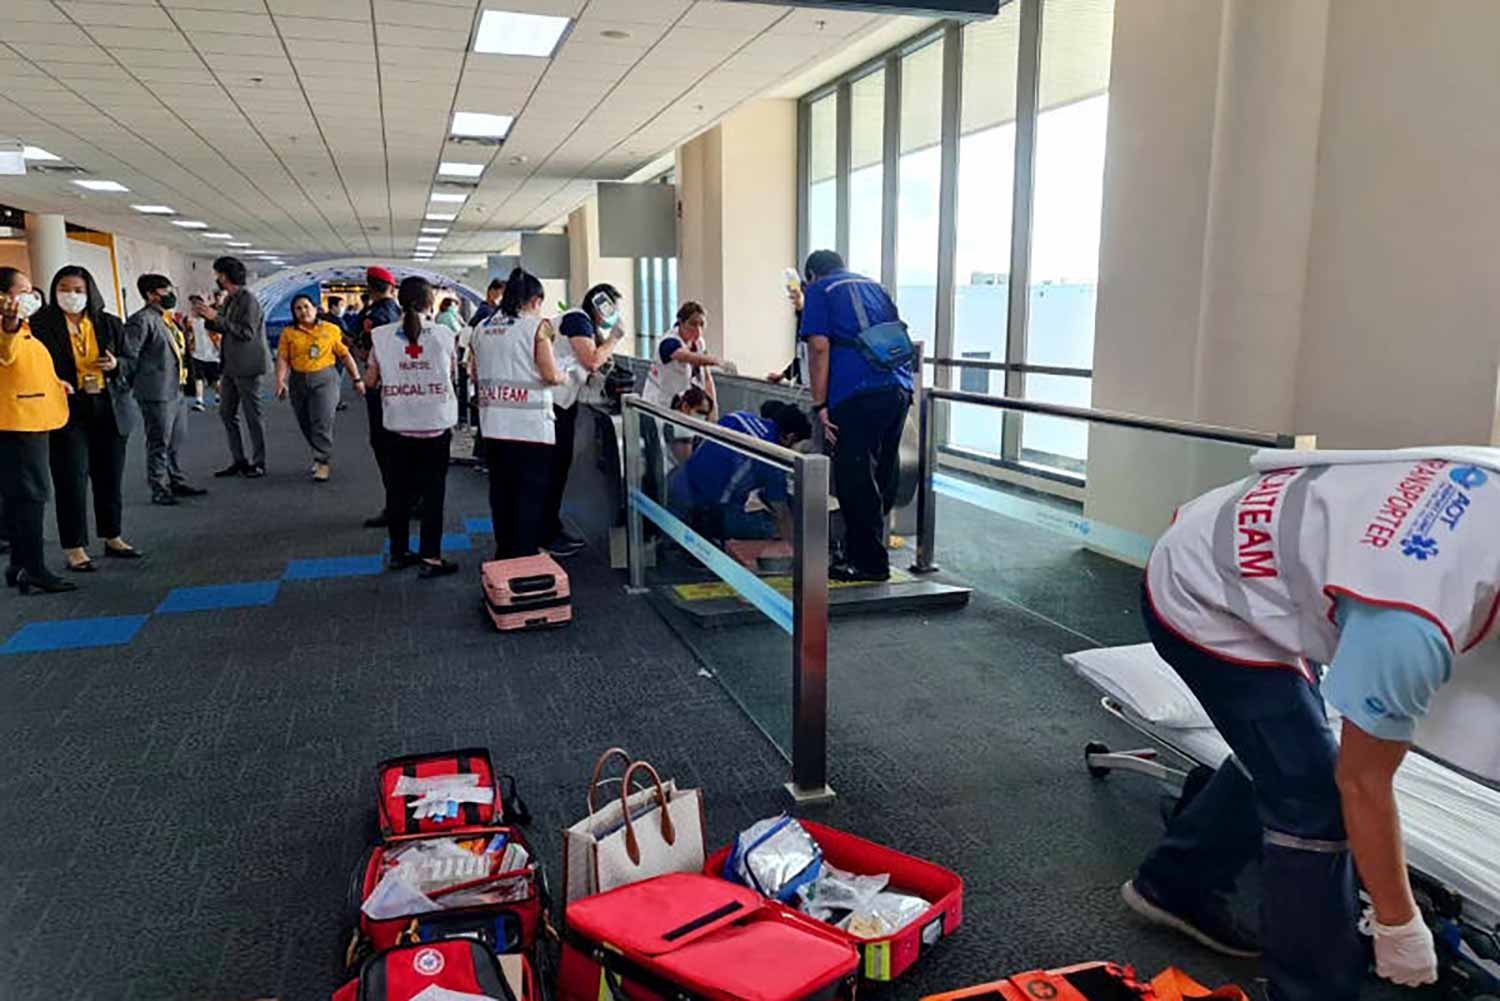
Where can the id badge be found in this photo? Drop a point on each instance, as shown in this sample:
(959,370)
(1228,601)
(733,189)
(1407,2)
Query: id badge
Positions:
(92,383)
(314,351)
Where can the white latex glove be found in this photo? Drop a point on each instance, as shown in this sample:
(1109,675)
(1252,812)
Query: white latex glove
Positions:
(1404,954)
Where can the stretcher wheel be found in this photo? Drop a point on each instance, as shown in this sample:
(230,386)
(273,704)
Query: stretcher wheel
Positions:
(1090,749)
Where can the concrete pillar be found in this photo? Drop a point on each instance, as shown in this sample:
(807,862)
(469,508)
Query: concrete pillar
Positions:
(47,245)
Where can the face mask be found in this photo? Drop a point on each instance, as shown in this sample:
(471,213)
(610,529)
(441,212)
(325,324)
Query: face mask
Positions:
(169,301)
(73,302)
(28,304)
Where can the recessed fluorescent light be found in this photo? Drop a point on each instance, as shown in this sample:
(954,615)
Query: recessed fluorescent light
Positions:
(443,196)
(190,224)
(218,236)
(155,209)
(435,229)
(509,34)
(241,245)
(102,185)
(37,153)
(480,125)
(453,168)
(441,216)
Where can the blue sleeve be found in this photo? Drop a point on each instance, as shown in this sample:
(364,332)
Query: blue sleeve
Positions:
(667,348)
(815,319)
(772,482)
(1388,664)
(576,325)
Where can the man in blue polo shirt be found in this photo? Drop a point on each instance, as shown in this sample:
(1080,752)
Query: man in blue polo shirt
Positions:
(862,406)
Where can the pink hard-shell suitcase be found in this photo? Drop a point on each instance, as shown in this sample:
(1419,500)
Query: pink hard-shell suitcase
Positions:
(529,592)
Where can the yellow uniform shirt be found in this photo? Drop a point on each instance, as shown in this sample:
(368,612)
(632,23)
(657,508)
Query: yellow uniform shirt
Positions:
(179,345)
(86,356)
(312,350)
(31,395)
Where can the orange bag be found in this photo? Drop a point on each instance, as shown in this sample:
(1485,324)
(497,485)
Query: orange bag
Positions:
(1172,984)
(1093,982)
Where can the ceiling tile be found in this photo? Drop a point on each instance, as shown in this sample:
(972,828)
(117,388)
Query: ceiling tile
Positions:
(737,15)
(123,15)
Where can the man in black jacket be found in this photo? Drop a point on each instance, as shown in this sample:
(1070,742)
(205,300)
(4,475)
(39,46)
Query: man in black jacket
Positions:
(381,310)
(245,358)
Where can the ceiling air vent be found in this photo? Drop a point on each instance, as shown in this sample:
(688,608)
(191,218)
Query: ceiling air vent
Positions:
(65,169)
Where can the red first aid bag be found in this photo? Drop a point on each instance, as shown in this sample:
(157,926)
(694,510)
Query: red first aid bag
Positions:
(530,592)
(889,956)
(695,938)
(419,972)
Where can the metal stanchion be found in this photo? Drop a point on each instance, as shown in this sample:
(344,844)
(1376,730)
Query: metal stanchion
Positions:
(926,497)
(810,633)
(635,549)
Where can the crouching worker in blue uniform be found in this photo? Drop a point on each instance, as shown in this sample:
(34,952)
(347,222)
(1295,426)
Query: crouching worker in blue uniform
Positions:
(711,489)
(1386,568)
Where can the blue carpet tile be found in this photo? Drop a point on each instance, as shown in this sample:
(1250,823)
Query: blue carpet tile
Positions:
(74,634)
(202,599)
(333,566)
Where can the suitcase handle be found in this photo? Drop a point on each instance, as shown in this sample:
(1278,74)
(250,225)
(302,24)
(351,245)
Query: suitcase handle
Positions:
(668,833)
(532,584)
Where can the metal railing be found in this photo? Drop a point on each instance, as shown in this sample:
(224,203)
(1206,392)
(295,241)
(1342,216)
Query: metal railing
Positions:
(1005,366)
(809,603)
(927,464)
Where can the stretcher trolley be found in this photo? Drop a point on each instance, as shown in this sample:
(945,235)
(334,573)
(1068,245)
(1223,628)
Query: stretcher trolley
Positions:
(1451,821)
(452,820)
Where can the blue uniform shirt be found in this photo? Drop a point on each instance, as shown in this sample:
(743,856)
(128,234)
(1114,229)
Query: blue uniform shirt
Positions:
(718,475)
(1388,664)
(828,311)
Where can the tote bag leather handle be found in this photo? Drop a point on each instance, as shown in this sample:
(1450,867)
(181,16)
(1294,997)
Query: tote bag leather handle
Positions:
(668,833)
(604,759)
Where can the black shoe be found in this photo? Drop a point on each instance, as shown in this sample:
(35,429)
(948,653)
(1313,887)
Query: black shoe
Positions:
(849,573)
(129,553)
(1206,921)
(441,568)
(47,583)
(164,499)
(233,469)
(400,561)
(87,566)
(187,490)
(566,544)
(254,472)
(4,546)
(379,521)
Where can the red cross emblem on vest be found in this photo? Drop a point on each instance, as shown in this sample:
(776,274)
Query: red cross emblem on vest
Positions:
(414,350)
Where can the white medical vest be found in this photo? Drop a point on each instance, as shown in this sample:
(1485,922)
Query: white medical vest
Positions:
(1250,571)
(416,381)
(514,403)
(667,380)
(572,370)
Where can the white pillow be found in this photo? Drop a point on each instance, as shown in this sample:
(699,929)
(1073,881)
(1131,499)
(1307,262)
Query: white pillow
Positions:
(1138,678)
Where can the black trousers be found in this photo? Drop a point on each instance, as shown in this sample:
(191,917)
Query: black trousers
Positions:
(23,485)
(521,474)
(418,471)
(562,460)
(380,438)
(89,449)
(865,467)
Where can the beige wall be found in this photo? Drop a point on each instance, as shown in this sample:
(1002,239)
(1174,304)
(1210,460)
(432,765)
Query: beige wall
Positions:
(737,194)
(587,269)
(134,258)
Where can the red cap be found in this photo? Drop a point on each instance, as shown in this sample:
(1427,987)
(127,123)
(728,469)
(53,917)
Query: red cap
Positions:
(380,275)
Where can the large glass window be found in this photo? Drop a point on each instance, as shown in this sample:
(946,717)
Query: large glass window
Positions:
(986,173)
(920,179)
(822,174)
(866,172)
(1072,121)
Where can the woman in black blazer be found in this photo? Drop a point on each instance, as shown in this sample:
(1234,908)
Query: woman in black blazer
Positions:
(86,344)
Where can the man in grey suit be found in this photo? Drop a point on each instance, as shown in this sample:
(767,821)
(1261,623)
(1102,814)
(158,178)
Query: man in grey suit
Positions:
(245,358)
(157,354)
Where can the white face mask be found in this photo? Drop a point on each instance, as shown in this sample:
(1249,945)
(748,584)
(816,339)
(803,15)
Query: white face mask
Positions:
(73,302)
(28,304)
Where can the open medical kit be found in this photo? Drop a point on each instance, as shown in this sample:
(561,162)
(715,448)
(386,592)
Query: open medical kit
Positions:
(459,969)
(529,592)
(889,906)
(1093,982)
(451,860)
(690,937)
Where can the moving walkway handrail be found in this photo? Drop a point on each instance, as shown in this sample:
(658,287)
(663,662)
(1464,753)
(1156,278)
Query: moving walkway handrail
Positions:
(927,466)
(1007,366)
(755,448)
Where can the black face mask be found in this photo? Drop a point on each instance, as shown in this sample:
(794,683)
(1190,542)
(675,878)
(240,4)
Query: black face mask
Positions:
(168,301)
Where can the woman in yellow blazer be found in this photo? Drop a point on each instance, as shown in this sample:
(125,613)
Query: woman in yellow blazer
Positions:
(307,360)
(33,402)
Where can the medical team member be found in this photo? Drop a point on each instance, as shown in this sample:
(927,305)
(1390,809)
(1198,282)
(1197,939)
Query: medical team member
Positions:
(307,359)
(514,372)
(589,336)
(710,490)
(862,406)
(1386,568)
(682,359)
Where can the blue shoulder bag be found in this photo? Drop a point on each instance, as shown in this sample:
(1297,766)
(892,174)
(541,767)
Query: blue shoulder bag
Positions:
(886,346)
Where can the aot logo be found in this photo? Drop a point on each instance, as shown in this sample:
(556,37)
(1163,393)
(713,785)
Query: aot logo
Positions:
(428,962)
(1469,477)
(1419,547)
